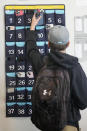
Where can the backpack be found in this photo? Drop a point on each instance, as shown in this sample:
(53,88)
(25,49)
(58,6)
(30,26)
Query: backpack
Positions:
(51,98)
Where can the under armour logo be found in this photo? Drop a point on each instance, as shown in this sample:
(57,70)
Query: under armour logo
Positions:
(44,92)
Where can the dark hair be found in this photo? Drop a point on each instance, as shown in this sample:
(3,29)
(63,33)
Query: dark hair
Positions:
(57,47)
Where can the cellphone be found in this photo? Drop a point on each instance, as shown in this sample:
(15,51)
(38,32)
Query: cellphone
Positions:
(39,12)
(10,28)
(19,12)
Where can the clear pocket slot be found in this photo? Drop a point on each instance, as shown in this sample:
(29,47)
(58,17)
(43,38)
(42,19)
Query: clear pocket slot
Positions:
(28,93)
(21,109)
(11,109)
(10,51)
(50,17)
(20,94)
(20,50)
(9,17)
(60,17)
(11,94)
(10,79)
(41,47)
(28,16)
(29,108)
(20,33)
(19,14)
(40,33)
(10,34)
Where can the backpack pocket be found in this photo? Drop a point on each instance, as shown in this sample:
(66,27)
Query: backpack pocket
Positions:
(46,88)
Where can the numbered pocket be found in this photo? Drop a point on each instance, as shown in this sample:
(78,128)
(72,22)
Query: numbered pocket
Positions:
(48,26)
(21,109)
(29,82)
(21,82)
(20,79)
(28,67)
(10,34)
(20,94)
(10,50)
(29,78)
(20,66)
(11,94)
(20,33)
(50,17)
(28,16)
(29,108)
(60,17)
(19,17)
(20,50)
(10,79)
(10,65)
(42,20)
(28,93)
(29,74)
(40,33)
(41,47)
(47,49)
(9,17)
(11,109)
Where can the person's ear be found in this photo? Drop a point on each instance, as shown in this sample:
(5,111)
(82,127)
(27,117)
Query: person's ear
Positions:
(48,44)
(68,44)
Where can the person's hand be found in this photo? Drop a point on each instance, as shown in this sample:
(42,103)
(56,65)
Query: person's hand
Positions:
(34,22)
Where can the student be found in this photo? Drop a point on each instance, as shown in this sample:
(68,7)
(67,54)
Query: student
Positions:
(58,41)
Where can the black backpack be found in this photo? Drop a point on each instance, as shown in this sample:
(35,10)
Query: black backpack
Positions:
(51,98)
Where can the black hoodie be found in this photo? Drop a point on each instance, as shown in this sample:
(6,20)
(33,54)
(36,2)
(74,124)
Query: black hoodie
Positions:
(77,75)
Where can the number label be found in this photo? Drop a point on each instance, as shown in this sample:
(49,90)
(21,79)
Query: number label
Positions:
(11,67)
(11,98)
(19,35)
(10,111)
(20,52)
(30,111)
(40,35)
(41,51)
(59,20)
(11,20)
(11,52)
(21,82)
(11,35)
(30,68)
(49,20)
(29,20)
(19,20)
(29,97)
(30,82)
(21,67)
(20,97)
(21,111)
(12,83)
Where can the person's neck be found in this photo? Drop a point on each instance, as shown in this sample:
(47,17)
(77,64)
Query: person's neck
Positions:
(63,51)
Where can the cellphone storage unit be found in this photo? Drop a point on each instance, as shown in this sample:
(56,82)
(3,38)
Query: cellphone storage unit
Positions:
(19,75)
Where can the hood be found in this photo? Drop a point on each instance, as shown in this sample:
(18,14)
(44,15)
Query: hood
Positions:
(62,59)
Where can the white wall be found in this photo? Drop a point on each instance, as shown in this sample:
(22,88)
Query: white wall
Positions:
(24,124)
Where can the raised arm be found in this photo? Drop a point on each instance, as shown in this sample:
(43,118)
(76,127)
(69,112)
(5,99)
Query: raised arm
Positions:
(33,53)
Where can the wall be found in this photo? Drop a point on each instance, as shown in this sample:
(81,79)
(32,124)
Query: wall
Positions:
(21,124)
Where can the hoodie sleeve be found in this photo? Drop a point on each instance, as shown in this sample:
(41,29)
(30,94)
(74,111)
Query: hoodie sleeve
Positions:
(33,53)
(79,87)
